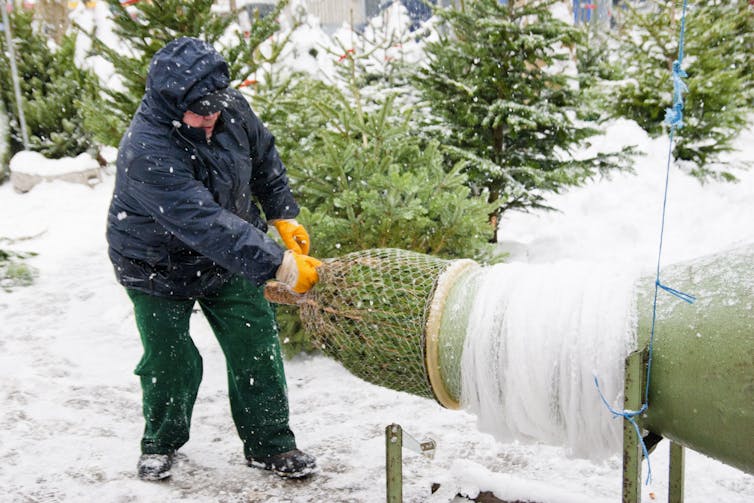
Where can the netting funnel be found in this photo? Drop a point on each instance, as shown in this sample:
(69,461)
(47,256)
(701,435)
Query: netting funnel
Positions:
(382,314)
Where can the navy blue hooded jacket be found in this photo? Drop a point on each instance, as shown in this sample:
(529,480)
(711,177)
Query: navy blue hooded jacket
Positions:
(185,210)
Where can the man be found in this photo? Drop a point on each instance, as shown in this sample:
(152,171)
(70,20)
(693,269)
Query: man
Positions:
(184,227)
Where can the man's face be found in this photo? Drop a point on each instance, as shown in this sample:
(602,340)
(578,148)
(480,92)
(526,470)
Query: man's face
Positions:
(206,122)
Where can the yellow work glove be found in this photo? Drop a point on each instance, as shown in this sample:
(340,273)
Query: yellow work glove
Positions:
(294,235)
(298,271)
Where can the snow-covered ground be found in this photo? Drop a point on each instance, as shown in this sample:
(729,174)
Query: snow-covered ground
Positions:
(70,418)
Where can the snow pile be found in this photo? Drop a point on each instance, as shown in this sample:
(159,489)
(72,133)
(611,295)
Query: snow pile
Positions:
(470,479)
(34,163)
(617,220)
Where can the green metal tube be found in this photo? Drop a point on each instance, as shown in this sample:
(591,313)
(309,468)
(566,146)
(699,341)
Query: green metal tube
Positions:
(701,392)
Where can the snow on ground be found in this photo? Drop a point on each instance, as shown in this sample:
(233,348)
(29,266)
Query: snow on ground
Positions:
(70,418)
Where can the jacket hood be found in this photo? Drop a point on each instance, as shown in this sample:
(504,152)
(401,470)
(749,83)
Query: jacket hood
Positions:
(179,74)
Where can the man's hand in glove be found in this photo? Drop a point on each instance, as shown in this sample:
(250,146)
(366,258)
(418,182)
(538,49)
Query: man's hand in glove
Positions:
(293,234)
(298,271)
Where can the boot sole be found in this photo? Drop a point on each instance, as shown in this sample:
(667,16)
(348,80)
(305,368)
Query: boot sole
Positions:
(155,477)
(301,474)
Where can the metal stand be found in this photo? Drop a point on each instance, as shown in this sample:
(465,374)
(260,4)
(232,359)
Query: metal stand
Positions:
(675,473)
(632,454)
(394,463)
(395,440)
(14,75)
(632,395)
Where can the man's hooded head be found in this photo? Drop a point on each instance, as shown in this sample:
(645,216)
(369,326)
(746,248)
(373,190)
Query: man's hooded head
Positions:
(187,72)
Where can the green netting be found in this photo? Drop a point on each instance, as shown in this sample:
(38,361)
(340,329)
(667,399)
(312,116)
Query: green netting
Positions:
(369,311)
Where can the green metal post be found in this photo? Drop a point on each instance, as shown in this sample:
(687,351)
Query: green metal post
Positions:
(675,476)
(394,463)
(14,75)
(632,393)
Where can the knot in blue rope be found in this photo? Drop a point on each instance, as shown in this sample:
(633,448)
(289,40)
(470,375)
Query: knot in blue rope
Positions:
(629,415)
(686,297)
(674,115)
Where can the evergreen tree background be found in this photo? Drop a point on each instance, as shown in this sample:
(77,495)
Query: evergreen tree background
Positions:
(381,58)
(598,69)
(358,164)
(143,29)
(496,78)
(743,28)
(52,89)
(718,43)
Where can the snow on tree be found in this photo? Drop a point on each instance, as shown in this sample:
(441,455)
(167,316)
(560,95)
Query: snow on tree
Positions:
(499,79)
(144,28)
(719,40)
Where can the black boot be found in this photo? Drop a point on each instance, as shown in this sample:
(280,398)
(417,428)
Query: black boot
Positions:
(154,466)
(292,464)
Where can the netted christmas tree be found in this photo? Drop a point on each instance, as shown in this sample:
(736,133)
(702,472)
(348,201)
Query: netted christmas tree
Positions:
(719,41)
(52,89)
(392,317)
(145,27)
(366,180)
(498,78)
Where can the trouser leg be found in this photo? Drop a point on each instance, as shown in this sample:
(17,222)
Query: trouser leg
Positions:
(244,324)
(170,370)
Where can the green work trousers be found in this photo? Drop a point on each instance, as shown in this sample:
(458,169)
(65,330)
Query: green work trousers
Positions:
(171,368)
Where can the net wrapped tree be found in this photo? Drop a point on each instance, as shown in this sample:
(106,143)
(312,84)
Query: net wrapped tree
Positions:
(380,313)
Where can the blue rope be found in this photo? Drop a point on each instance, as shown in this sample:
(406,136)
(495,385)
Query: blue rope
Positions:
(674,118)
(674,115)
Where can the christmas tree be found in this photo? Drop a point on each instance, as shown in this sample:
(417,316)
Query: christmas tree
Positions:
(718,42)
(145,27)
(52,89)
(597,69)
(498,78)
(364,175)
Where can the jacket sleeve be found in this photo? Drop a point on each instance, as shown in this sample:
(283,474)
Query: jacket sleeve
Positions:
(269,181)
(169,193)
